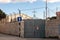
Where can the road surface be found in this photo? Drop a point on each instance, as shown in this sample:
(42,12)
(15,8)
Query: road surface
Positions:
(9,37)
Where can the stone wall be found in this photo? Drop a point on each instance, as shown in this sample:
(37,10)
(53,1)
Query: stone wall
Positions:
(51,28)
(11,28)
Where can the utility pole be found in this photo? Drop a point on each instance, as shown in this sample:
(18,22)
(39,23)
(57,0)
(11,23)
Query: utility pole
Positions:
(19,23)
(46,18)
(46,9)
(34,16)
(19,12)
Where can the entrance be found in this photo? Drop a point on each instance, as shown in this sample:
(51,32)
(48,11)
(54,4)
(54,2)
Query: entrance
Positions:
(34,28)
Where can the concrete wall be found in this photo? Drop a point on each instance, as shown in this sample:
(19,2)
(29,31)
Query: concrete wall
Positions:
(32,28)
(51,28)
(11,28)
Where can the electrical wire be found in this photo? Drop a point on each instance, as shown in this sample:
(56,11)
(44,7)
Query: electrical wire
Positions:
(32,9)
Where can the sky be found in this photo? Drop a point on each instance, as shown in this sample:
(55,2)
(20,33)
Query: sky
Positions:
(28,6)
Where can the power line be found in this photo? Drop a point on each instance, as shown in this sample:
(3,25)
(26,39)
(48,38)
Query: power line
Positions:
(51,10)
(32,9)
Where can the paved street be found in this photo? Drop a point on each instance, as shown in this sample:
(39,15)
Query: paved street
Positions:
(8,37)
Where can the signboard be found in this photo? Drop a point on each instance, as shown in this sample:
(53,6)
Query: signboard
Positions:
(19,19)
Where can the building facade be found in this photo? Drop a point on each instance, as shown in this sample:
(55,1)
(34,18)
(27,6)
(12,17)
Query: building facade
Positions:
(12,18)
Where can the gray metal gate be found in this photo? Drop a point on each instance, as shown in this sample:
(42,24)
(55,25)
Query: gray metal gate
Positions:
(34,28)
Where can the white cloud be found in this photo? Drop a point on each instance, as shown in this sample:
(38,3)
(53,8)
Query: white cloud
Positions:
(52,1)
(4,1)
(14,1)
